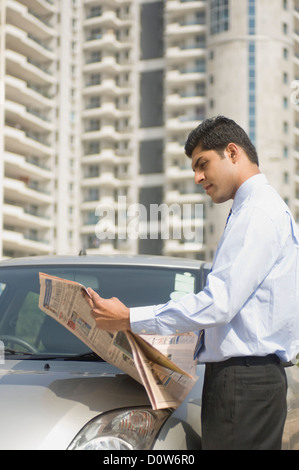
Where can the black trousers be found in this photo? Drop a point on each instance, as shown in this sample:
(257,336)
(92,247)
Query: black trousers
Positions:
(244,404)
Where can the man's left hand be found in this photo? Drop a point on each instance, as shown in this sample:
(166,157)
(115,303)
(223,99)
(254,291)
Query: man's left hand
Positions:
(110,314)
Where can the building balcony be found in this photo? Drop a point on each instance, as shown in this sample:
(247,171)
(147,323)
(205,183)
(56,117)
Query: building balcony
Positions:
(19,217)
(26,95)
(177,197)
(41,7)
(107,40)
(107,19)
(178,30)
(15,190)
(176,247)
(16,241)
(16,165)
(19,66)
(185,6)
(184,76)
(107,132)
(175,148)
(25,44)
(109,3)
(183,123)
(106,109)
(27,118)
(177,173)
(20,142)
(107,88)
(106,64)
(89,205)
(179,101)
(106,156)
(87,228)
(28,19)
(105,179)
(184,54)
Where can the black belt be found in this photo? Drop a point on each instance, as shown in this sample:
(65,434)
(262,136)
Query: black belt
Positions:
(247,361)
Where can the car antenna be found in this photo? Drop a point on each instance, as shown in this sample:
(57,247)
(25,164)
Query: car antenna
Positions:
(82,252)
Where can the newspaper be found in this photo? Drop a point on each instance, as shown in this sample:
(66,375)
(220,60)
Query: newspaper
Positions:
(165,365)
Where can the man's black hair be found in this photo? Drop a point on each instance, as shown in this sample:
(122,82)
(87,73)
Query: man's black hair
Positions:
(216,133)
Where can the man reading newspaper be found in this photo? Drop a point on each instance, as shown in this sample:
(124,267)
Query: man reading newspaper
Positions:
(249,308)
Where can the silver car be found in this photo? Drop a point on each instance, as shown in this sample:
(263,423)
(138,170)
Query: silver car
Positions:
(57,394)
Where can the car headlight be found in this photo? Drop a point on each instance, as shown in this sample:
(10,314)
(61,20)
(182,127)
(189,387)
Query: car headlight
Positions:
(121,430)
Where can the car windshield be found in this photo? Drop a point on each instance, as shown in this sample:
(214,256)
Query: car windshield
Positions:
(26,330)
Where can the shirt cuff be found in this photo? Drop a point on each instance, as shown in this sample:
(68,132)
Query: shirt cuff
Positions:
(142,320)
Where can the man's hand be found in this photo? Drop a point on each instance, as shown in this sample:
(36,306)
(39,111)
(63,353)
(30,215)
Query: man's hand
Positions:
(110,314)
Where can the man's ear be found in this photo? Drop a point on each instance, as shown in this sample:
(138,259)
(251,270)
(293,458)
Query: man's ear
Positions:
(232,151)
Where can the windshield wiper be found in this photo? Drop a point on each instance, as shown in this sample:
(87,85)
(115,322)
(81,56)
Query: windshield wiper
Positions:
(88,356)
(16,352)
(29,355)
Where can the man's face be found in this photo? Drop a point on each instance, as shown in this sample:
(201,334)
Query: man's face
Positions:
(218,175)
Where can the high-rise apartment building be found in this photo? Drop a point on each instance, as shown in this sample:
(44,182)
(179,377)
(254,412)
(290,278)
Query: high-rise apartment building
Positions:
(97,98)
(28,127)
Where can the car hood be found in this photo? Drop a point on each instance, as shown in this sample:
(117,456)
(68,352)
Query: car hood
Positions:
(43,405)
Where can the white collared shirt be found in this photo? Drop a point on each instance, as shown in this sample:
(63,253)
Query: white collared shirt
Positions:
(250,305)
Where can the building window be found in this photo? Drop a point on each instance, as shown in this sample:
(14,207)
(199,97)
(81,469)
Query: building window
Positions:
(200,17)
(285,127)
(219,15)
(285,103)
(285,78)
(200,66)
(95,11)
(285,152)
(251,17)
(285,53)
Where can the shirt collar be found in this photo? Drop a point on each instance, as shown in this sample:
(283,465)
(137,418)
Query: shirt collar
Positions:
(247,188)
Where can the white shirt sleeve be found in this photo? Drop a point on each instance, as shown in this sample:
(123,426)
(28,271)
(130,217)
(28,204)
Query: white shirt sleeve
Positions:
(247,252)
(142,319)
